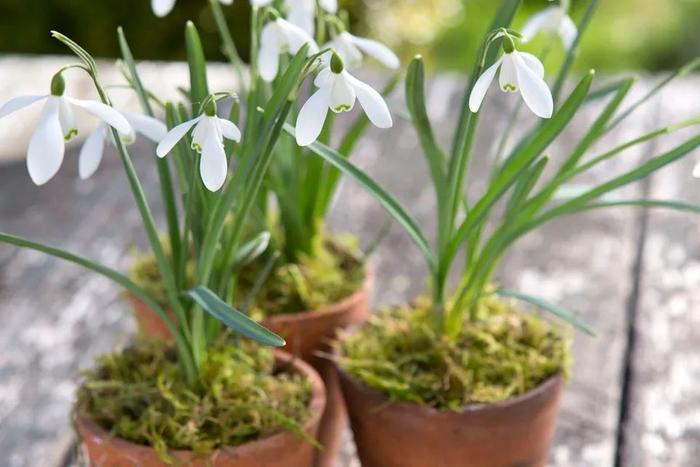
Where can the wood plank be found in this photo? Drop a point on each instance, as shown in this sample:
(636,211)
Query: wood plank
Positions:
(663,427)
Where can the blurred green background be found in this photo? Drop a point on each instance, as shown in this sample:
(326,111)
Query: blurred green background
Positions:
(637,34)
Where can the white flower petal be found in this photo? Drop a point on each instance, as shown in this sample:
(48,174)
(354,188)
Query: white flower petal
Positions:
(312,117)
(372,102)
(376,50)
(295,37)
(533,63)
(226,2)
(302,13)
(162,7)
(66,119)
(174,136)
(213,166)
(229,130)
(342,93)
(535,91)
(696,170)
(331,6)
(47,147)
(18,103)
(105,113)
(322,77)
(150,127)
(201,132)
(482,85)
(546,20)
(347,50)
(91,152)
(259,3)
(508,78)
(567,31)
(268,56)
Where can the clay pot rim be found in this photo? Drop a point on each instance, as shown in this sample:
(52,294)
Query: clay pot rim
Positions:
(333,309)
(317,404)
(549,385)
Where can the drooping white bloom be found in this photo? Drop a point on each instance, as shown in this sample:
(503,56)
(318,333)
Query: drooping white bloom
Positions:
(93,148)
(161,8)
(696,170)
(207,139)
(351,49)
(519,71)
(302,13)
(553,19)
(279,36)
(57,125)
(337,91)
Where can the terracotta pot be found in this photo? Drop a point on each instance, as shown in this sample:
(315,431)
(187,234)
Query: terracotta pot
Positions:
(280,450)
(306,334)
(513,433)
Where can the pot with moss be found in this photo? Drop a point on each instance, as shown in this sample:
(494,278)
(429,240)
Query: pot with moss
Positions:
(252,407)
(306,301)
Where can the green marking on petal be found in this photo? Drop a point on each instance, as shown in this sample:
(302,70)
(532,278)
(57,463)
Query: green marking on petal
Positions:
(341,108)
(196,147)
(73,132)
(508,87)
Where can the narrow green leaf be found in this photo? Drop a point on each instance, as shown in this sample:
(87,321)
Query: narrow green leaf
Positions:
(199,89)
(415,99)
(543,304)
(572,53)
(526,182)
(233,318)
(645,203)
(387,201)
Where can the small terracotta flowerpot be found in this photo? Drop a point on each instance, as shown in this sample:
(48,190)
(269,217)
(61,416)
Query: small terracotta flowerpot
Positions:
(281,450)
(306,333)
(512,433)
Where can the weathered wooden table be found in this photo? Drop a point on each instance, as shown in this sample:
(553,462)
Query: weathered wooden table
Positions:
(632,274)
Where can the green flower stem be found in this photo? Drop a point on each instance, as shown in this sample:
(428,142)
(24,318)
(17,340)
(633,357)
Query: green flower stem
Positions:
(228,44)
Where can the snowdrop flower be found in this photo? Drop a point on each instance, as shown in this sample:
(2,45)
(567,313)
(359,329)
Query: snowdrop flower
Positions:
(351,49)
(57,125)
(519,71)
(302,13)
(208,140)
(93,148)
(279,36)
(338,91)
(161,8)
(553,19)
(696,170)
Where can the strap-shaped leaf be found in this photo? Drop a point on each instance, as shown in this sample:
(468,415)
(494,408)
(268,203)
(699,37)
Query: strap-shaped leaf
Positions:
(543,304)
(251,250)
(392,206)
(199,89)
(233,318)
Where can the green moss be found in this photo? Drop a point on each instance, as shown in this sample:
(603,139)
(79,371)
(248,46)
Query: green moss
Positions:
(333,272)
(139,395)
(503,354)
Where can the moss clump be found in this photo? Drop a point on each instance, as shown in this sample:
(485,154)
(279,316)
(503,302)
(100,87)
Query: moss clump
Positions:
(139,395)
(503,354)
(333,272)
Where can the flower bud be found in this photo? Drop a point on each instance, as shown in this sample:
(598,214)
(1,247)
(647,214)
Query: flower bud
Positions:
(508,44)
(58,85)
(210,107)
(337,66)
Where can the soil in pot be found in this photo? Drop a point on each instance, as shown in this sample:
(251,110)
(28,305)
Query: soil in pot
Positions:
(252,407)
(306,302)
(488,399)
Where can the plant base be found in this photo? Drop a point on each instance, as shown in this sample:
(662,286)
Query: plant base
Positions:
(284,449)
